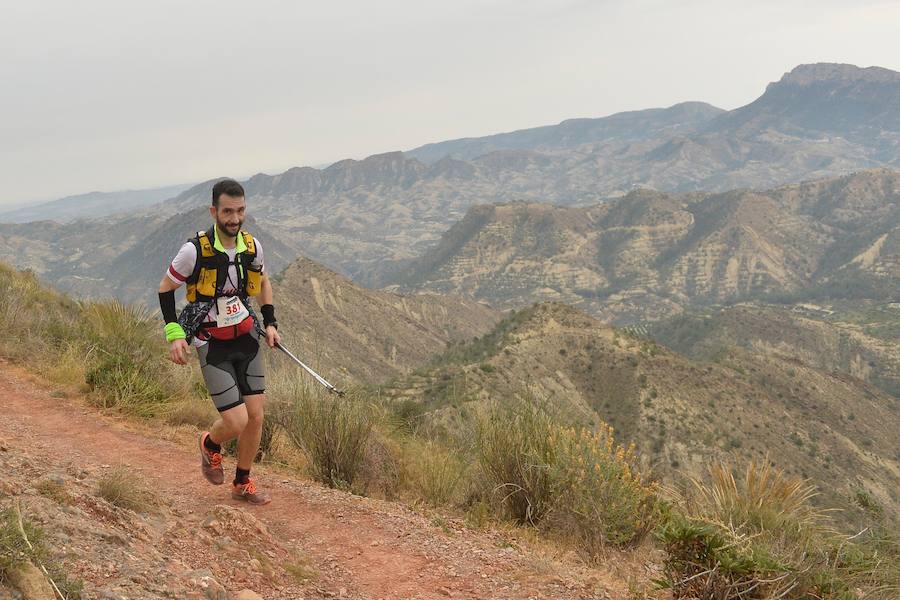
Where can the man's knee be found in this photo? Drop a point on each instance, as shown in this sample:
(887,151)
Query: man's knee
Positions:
(235,419)
(255,409)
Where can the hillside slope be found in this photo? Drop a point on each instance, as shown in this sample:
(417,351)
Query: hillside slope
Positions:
(365,336)
(833,428)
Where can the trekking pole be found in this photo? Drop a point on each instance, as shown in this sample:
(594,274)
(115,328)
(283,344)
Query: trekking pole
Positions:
(317,377)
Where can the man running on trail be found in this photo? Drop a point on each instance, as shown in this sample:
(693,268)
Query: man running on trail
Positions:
(222,268)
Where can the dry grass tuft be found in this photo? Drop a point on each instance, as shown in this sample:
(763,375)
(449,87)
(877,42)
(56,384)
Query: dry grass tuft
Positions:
(54,491)
(757,535)
(121,488)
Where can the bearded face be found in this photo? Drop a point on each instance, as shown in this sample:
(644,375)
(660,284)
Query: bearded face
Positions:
(229,214)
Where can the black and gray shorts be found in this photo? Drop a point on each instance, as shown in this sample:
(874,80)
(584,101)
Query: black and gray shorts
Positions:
(232,369)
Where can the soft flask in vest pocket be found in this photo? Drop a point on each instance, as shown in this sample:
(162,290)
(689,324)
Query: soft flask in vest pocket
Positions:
(254,278)
(206,282)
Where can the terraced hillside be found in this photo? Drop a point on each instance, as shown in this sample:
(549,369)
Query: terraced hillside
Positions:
(858,340)
(649,255)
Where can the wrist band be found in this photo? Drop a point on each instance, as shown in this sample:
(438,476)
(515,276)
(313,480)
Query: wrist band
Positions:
(174,332)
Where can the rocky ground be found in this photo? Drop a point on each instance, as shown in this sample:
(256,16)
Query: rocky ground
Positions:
(193,541)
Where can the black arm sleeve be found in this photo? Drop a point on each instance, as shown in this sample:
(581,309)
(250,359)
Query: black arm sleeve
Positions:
(167,306)
(268,315)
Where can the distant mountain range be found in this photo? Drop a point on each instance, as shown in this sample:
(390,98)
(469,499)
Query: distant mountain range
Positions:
(361,217)
(387,220)
(92,205)
(813,105)
(633,126)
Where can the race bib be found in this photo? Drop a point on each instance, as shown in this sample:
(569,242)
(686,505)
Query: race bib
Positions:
(231,311)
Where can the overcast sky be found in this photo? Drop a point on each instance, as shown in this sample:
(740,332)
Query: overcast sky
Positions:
(108,95)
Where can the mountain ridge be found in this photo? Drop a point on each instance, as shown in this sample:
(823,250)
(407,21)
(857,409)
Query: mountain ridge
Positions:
(650,254)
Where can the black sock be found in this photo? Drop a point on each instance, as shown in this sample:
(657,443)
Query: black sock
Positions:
(241,476)
(211,445)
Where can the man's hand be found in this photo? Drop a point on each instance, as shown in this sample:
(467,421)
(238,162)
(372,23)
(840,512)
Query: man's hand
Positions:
(272,336)
(178,352)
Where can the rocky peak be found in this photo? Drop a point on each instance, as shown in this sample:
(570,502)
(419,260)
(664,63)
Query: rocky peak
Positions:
(824,98)
(389,167)
(837,73)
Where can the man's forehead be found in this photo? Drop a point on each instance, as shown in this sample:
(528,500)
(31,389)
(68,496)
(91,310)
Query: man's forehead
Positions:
(226,201)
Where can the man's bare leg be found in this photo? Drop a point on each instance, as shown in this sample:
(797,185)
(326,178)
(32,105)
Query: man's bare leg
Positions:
(248,445)
(249,438)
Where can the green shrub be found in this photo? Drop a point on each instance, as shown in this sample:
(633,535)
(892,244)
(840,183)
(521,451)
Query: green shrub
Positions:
(129,373)
(759,536)
(604,497)
(117,350)
(333,433)
(570,481)
(123,384)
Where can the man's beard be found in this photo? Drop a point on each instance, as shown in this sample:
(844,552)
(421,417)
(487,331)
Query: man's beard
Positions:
(229,230)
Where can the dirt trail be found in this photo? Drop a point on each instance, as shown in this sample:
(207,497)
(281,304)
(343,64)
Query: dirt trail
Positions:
(356,547)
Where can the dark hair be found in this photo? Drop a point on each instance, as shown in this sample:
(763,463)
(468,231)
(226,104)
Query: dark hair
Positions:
(229,187)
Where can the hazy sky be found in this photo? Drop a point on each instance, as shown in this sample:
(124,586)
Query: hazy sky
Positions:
(107,95)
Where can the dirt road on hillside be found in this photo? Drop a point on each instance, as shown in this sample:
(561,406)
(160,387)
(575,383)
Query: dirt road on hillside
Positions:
(310,542)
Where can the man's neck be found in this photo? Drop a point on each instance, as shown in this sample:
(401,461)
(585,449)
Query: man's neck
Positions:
(226,240)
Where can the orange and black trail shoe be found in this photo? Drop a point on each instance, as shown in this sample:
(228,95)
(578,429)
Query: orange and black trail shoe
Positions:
(247,492)
(211,463)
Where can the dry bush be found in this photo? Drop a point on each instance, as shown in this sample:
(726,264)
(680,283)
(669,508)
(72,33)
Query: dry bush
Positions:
(53,490)
(332,432)
(515,453)
(22,541)
(199,413)
(121,487)
(433,472)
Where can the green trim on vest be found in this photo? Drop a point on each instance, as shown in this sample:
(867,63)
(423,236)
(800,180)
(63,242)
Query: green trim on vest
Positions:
(239,245)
